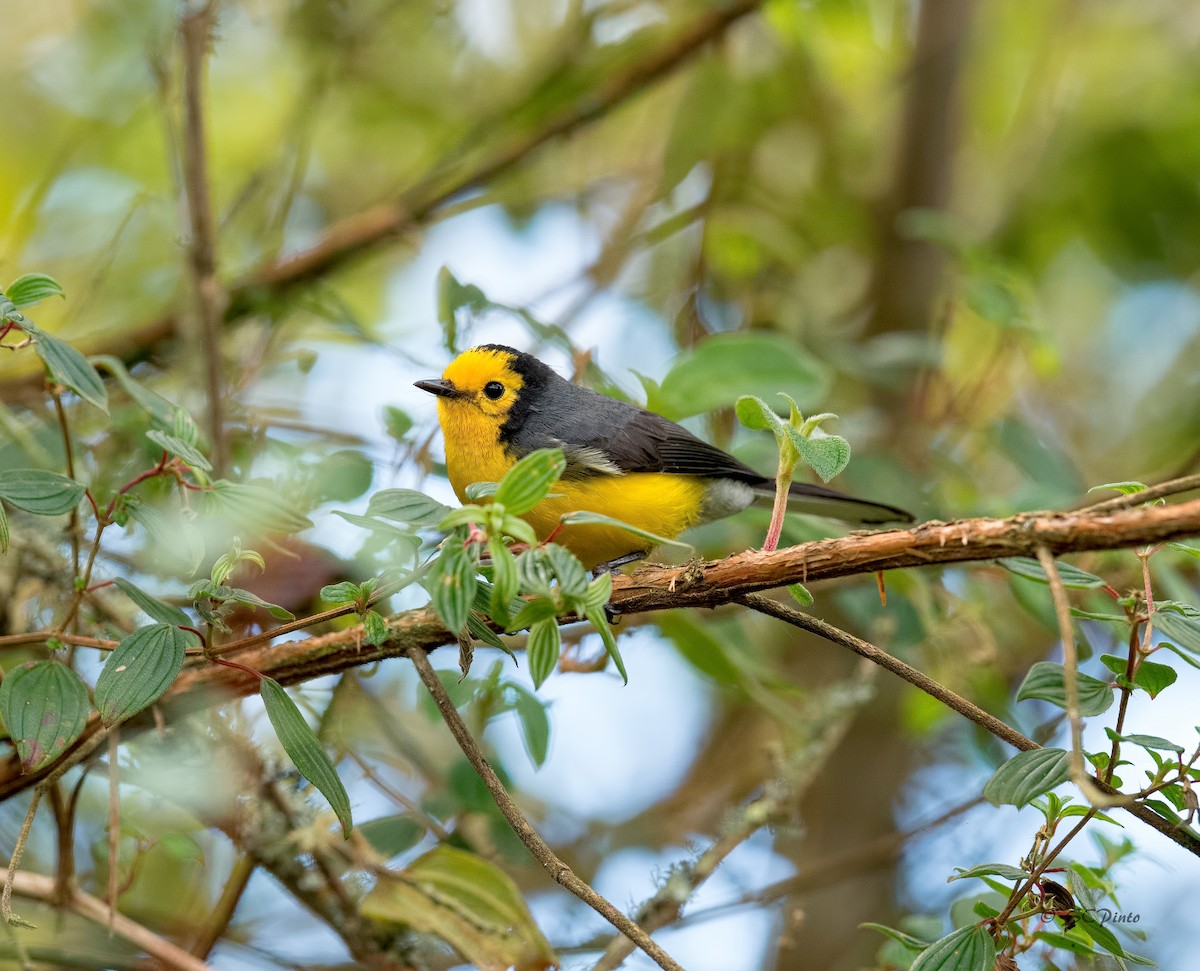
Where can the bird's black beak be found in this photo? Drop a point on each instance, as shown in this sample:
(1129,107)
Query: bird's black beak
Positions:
(439,386)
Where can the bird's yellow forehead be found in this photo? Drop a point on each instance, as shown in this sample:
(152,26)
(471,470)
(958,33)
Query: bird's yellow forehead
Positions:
(472,369)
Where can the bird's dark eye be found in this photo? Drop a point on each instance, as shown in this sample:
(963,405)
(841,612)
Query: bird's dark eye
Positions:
(494,390)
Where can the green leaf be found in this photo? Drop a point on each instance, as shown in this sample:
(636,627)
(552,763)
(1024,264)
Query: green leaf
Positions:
(1026,776)
(337,594)
(375,630)
(45,707)
(1153,677)
(69,367)
(1146,741)
(1125,488)
(39,492)
(543,649)
(969,948)
(391,835)
(585,518)
(140,670)
(528,482)
(258,507)
(451,585)
(305,749)
(1072,577)
(572,577)
(247,598)
(990,870)
(164,613)
(1183,631)
(407,506)
(165,413)
(535,724)
(479,490)
(466,901)
(1046,681)
(396,423)
(600,622)
(711,375)
(827,455)
(4,533)
(801,594)
(1099,933)
(504,580)
(908,940)
(179,448)
(452,297)
(31,288)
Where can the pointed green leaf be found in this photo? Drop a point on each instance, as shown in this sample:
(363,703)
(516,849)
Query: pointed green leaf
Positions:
(1002,870)
(827,455)
(585,518)
(535,724)
(1125,488)
(69,367)
(305,749)
(391,835)
(164,613)
(31,288)
(140,670)
(1153,677)
(1147,741)
(600,622)
(1181,630)
(179,448)
(1028,775)
(572,577)
(543,649)
(1072,577)
(1045,681)
(45,707)
(969,948)
(504,580)
(257,507)
(451,585)
(39,492)
(406,506)
(163,412)
(528,482)
(801,594)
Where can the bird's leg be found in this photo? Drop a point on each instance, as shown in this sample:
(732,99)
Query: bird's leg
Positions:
(611,615)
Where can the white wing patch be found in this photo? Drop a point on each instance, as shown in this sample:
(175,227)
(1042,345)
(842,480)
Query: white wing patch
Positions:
(584,460)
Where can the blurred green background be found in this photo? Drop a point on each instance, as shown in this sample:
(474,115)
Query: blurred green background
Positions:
(971,229)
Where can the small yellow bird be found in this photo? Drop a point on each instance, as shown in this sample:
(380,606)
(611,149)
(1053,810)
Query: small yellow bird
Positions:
(497,404)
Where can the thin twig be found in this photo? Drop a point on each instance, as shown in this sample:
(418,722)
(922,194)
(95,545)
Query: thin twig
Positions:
(212,929)
(1066,630)
(37,887)
(558,870)
(1178,834)
(195,32)
(114,824)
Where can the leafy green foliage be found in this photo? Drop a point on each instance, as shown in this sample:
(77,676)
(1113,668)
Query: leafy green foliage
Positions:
(39,492)
(466,901)
(1046,681)
(45,707)
(969,948)
(1026,776)
(305,749)
(140,670)
(1073,578)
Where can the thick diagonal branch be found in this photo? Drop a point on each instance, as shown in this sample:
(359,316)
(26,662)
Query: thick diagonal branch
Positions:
(710,584)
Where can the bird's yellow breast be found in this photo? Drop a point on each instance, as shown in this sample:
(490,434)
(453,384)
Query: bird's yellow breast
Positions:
(660,503)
